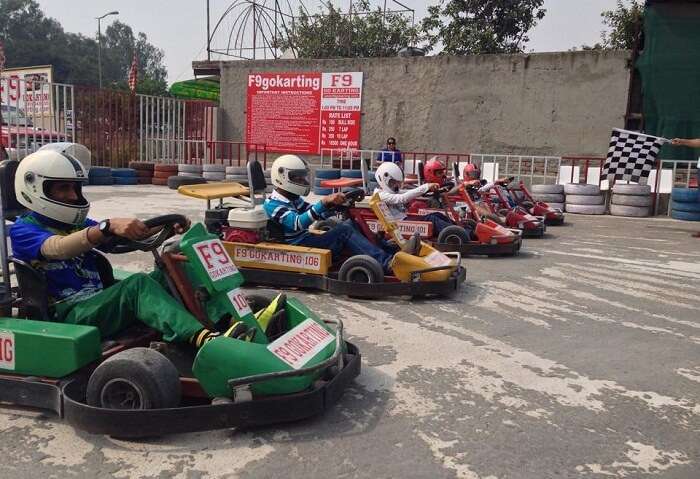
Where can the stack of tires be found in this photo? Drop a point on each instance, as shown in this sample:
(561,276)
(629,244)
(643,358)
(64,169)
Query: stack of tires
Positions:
(584,199)
(161,173)
(144,171)
(631,200)
(325,174)
(553,195)
(268,180)
(100,175)
(124,176)
(187,174)
(685,204)
(214,172)
(237,174)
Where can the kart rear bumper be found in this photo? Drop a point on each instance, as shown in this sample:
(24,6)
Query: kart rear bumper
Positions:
(66,399)
(536,232)
(286,279)
(475,248)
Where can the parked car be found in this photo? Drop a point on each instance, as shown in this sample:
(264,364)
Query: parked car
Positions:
(20,136)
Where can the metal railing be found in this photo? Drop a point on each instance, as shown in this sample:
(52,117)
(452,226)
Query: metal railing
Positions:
(35,113)
(531,169)
(235,153)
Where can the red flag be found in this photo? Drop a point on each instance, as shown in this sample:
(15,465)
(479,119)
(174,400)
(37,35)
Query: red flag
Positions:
(133,73)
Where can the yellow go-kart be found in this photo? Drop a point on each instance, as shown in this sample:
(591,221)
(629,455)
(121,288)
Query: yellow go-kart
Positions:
(257,248)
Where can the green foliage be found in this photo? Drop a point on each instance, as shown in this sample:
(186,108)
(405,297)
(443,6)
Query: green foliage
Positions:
(624,23)
(30,38)
(365,33)
(465,27)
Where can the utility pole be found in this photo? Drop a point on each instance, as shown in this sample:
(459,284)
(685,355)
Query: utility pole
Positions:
(99,45)
(208,35)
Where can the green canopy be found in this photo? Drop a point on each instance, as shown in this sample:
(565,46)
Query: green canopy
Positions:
(670,70)
(198,89)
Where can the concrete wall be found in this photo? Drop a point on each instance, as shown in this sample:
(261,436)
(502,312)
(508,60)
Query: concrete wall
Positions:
(544,103)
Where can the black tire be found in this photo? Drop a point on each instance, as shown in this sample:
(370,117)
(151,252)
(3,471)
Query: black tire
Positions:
(686,195)
(125,180)
(141,165)
(454,234)
(123,173)
(361,269)
(174,182)
(328,174)
(137,378)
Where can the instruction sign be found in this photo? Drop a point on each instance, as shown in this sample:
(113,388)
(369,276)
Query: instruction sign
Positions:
(302,112)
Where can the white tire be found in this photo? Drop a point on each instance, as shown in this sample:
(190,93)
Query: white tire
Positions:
(547,189)
(637,190)
(189,175)
(629,200)
(236,170)
(586,209)
(581,189)
(214,168)
(637,211)
(549,198)
(556,206)
(184,168)
(214,176)
(584,200)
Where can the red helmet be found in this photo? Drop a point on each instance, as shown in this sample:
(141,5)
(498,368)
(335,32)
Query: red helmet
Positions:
(434,171)
(471,171)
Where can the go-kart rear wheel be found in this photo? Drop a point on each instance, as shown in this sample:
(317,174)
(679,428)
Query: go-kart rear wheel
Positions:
(137,378)
(454,234)
(361,269)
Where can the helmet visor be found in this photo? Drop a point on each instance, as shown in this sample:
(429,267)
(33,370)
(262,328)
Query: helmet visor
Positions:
(299,177)
(65,192)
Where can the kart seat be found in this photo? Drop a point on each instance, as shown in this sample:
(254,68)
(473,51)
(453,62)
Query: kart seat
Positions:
(256,177)
(11,207)
(33,290)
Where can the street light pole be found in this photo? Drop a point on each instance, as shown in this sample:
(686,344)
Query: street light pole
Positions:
(99,45)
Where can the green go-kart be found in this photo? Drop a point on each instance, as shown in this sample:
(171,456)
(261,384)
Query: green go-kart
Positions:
(133,385)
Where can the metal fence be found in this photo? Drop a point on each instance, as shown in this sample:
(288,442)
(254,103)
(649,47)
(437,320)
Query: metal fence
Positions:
(34,113)
(235,153)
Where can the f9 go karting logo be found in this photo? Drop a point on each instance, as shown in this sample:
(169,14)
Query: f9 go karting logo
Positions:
(215,259)
(7,350)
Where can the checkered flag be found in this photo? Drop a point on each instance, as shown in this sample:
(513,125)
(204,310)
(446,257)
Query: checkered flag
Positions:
(631,155)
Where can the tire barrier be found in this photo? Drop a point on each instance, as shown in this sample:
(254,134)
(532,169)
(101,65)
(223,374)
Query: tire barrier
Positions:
(685,204)
(174,182)
(584,199)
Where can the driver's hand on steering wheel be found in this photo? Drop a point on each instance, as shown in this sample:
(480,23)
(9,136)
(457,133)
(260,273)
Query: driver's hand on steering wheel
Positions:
(433,187)
(130,228)
(334,199)
(181,228)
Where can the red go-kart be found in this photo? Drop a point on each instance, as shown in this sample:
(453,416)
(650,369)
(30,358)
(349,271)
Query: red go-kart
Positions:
(522,196)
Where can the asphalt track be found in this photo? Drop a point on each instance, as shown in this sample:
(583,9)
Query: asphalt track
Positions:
(579,358)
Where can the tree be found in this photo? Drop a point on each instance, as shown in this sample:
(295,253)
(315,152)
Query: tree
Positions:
(624,23)
(31,38)
(481,26)
(364,33)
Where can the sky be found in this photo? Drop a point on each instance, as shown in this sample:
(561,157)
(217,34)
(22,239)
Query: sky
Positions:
(179,26)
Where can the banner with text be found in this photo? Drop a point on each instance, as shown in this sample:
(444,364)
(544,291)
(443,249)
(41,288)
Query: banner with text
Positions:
(302,112)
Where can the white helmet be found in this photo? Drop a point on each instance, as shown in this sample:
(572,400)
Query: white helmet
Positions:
(386,172)
(37,172)
(290,173)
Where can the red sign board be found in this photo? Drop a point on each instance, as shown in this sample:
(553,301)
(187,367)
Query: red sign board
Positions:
(303,112)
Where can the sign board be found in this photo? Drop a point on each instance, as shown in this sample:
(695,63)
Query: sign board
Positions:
(302,112)
(7,350)
(295,260)
(216,261)
(406,228)
(28,89)
(298,346)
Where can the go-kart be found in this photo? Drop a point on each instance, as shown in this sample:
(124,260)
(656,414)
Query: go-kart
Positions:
(515,216)
(521,195)
(133,385)
(257,247)
(492,238)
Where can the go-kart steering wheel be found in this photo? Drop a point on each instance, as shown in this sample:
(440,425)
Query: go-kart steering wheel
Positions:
(121,245)
(351,197)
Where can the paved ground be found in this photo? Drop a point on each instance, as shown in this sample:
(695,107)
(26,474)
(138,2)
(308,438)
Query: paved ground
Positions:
(579,358)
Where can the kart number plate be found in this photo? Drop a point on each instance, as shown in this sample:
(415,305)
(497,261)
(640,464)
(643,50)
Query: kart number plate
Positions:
(407,228)
(7,350)
(298,346)
(239,302)
(216,261)
(437,259)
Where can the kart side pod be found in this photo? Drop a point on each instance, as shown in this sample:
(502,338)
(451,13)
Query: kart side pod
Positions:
(428,264)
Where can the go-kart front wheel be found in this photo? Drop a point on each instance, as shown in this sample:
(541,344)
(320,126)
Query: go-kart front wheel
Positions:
(361,269)
(137,378)
(455,235)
